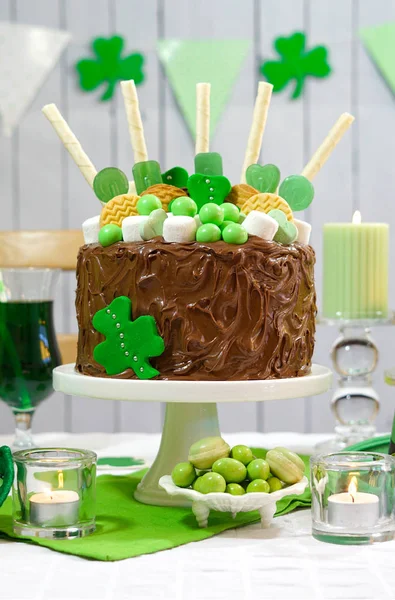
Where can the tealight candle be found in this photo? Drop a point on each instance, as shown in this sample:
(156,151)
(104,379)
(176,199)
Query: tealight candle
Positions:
(352,509)
(54,508)
(355,270)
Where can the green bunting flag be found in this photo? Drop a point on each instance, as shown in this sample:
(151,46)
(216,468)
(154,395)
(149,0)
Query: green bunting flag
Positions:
(379,41)
(187,63)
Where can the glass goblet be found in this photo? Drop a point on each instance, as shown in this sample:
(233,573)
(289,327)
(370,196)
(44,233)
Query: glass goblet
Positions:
(28,346)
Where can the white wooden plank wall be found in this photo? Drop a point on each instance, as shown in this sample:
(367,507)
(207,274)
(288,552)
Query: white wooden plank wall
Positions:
(42,188)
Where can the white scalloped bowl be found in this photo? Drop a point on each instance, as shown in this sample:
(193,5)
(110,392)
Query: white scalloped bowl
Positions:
(203,503)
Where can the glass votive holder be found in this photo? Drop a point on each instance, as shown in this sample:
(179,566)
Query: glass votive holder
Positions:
(54,493)
(353,497)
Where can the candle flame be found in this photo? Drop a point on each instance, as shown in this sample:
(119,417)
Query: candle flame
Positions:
(353,486)
(356,218)
(48,492)
(60,480)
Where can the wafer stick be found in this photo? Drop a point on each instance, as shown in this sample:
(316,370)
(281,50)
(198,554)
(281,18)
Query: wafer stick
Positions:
(259,117)
(135,123)
(70,142)
(322,154)
(202,117)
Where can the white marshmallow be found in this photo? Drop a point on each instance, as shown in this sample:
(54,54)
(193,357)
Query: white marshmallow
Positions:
(170,215)
(260,224)
(90,229)
(304,230)
(131,228)
(179,229)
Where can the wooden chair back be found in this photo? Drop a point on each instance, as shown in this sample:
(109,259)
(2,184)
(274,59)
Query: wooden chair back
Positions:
(44,249)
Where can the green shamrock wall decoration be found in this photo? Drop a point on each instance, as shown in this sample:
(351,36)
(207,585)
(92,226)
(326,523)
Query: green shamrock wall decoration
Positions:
(108,66)
(296,63)
(129,344)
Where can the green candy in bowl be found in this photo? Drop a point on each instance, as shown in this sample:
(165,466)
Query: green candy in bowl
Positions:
(233,471)
(242,453)
(258,469)
(205,452)
(258,485)
(210,483)
(235,489)
(183,474)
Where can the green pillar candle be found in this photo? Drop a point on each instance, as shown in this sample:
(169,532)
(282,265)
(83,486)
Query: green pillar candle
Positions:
(355,270)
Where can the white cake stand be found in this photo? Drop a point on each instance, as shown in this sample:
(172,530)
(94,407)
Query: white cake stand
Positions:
(191,410)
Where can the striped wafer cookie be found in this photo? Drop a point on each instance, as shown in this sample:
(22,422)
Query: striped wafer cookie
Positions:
(118,208)
(240,193)
(265,203)
(165,193)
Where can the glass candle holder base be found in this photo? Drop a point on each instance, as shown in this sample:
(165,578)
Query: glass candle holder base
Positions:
(355,403)
(54,533)
(346,436)
(353,539)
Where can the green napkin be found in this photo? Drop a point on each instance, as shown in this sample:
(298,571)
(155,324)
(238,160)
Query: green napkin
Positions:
(127,528)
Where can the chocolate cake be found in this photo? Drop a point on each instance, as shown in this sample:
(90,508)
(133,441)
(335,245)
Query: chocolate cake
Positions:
(225,312)
(186,277)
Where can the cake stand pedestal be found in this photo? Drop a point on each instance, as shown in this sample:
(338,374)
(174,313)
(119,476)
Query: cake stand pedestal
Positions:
(191,411)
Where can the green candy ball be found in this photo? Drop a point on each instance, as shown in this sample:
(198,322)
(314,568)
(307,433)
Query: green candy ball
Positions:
(208,233)
(234,234)
(258,469)
(225,224)
(210,482)
(110,234)
(235,489)
(184,207)
(183,474)
(242,453)
(146,204)
(233,471)
(258,485)
(275,484)
(231,212)
(211,213)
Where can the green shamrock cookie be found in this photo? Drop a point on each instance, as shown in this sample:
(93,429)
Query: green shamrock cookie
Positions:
(6,472)
(110,182)
(153,226)
(176,176)
(286,232)
(297,191)
(128,344)
(208,188)
(263,178)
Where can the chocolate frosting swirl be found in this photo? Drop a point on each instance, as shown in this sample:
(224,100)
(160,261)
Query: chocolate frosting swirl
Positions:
(226,312)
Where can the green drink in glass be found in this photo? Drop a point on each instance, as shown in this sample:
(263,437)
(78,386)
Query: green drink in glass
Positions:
(28,347)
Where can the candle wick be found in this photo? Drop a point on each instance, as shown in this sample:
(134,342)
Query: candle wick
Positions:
(352,498)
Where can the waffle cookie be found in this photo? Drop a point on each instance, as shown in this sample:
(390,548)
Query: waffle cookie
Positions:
(240,193)
(118,208)
(265,203)
(165,193)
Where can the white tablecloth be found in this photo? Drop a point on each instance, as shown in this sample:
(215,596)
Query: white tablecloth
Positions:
(281,563)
